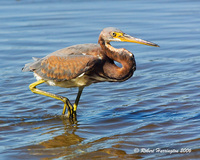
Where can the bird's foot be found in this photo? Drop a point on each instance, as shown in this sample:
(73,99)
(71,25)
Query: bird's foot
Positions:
(71,110)
(72,115)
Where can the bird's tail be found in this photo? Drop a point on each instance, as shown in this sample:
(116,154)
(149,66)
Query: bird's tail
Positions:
(27,68)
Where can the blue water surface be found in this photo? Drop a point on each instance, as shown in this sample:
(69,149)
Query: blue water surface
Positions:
(153,115)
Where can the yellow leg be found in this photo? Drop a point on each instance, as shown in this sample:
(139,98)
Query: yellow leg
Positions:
(78,98)
(63,99)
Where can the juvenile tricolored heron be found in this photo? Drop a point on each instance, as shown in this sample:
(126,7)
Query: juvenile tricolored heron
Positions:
(84,64)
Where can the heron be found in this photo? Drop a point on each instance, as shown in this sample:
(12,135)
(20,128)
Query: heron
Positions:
(83,64)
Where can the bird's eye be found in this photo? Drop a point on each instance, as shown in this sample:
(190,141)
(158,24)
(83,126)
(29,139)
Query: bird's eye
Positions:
(113,34)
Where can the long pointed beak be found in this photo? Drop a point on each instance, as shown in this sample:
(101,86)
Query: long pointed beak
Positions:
(128,38)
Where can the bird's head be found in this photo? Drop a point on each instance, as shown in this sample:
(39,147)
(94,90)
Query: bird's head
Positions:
(113,34)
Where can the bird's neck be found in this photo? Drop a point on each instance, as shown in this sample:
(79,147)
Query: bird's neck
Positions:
(122,56)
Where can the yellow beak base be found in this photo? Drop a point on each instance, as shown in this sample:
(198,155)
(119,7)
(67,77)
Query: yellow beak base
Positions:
(127,38)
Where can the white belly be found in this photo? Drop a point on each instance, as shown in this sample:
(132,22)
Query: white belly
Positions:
(82,80)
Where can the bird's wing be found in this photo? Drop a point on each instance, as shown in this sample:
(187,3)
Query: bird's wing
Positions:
(61,68)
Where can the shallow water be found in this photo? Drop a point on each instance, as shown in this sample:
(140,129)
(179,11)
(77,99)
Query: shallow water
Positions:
(158,108)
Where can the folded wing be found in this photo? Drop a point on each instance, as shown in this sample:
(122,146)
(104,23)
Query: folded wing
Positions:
(62,68)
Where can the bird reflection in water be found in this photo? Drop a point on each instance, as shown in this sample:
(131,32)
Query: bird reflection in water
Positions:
(71,145)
